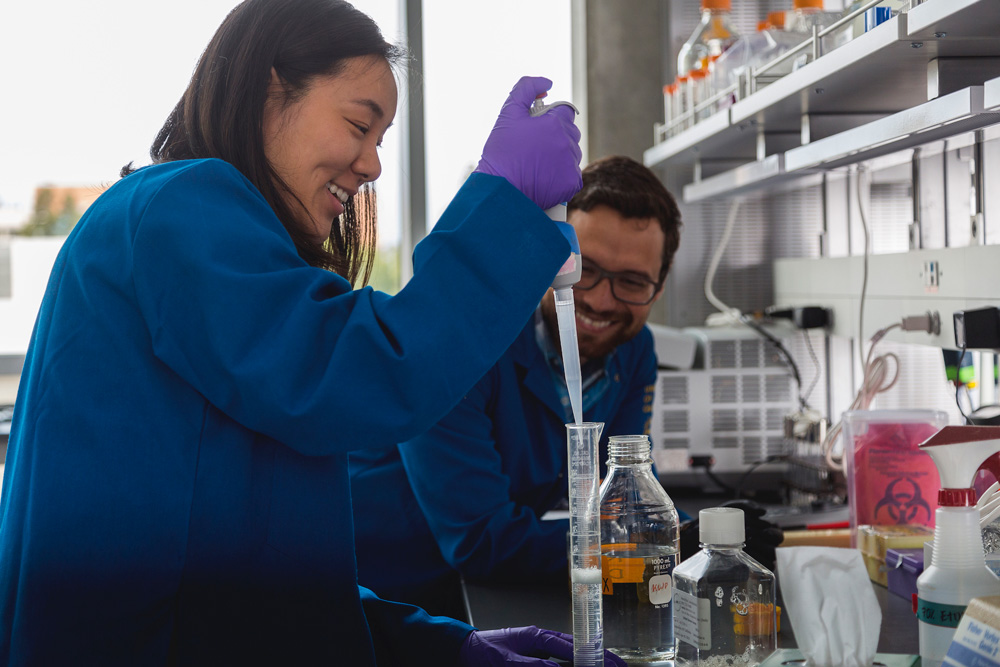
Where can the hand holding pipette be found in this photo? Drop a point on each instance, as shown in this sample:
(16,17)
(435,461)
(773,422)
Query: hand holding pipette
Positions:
(568,276)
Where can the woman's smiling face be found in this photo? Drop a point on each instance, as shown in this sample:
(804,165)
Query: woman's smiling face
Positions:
(324,143)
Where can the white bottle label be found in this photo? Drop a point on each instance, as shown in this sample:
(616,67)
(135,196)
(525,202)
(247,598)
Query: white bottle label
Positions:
(660,588)
(691,620)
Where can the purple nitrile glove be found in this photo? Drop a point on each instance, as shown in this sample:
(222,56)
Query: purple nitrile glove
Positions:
(540,155)
(521,646)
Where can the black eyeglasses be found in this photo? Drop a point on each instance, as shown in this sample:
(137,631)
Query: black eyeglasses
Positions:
(627,287)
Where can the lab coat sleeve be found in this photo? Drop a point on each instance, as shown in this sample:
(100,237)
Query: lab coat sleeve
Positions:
(458,479)
(291,351)
(406,635)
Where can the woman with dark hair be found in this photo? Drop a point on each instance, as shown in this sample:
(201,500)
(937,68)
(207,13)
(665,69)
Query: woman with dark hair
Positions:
(176,487)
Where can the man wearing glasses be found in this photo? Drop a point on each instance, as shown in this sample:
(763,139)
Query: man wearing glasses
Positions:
(468,496)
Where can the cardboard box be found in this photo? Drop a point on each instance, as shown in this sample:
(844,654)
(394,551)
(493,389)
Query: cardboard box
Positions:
(977,637)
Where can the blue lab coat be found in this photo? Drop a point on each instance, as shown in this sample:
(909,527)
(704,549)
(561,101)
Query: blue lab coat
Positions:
(176,482)
(469,494)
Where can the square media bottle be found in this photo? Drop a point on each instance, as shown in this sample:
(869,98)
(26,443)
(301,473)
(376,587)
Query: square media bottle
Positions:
(724,607)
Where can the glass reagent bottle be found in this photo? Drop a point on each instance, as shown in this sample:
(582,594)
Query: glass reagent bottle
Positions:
(714,34)
(724,612)
(640,544)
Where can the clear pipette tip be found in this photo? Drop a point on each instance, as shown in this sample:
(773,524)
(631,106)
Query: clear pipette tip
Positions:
(566,316)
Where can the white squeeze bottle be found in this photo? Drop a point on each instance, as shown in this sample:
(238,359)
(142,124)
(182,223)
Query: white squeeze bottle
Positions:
(957,571)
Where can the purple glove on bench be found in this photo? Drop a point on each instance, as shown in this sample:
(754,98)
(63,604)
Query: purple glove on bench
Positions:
(521,646)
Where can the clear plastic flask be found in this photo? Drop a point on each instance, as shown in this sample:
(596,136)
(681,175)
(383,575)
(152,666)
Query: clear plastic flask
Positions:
(724,607)
(713,35)
(640,545)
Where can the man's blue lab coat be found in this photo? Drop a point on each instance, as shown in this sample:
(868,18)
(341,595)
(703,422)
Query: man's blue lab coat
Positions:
(176,485)
(469,494)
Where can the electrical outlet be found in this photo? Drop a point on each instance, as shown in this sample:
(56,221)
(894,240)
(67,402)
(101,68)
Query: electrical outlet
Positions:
(932,276)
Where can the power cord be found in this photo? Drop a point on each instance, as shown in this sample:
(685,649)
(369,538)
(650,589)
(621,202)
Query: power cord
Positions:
(747,320)
(959,385)
(875,378)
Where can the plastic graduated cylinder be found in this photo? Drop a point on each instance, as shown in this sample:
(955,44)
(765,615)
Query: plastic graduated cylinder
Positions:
(582,442)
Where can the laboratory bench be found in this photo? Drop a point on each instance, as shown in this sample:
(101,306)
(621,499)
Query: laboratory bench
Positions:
(549,604)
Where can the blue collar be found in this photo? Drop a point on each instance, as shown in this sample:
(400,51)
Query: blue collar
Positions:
(594,373)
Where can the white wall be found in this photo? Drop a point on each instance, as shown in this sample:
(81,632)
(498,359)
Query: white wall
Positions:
(30,264)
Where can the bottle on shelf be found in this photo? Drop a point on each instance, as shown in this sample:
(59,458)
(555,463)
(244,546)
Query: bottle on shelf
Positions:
(640,543)
(733,66)
(857,26)
(700,91)
(669,95)
(724,600)
(714,34)
(806,15)
(682,104)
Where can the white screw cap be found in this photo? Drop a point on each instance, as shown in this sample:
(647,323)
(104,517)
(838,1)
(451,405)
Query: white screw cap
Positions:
(721,525)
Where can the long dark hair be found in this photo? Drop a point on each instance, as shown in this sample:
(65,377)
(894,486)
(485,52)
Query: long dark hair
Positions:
(220,115)
(622,184)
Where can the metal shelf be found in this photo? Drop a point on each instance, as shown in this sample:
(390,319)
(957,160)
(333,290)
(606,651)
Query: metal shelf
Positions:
(859,101)
(991,94)
(961,111)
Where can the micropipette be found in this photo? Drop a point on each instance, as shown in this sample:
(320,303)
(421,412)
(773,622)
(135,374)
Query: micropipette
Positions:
(562,288)
(582,446)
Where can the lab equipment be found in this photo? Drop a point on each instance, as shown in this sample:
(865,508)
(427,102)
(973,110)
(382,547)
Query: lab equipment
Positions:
(714,34)
(957,571)
(562,287)
(724,606)
(585,543)
(640,547)
(716,421)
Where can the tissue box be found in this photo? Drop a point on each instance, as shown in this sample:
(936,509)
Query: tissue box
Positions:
(977,638)
(793,656)
(874,542)
(903,566)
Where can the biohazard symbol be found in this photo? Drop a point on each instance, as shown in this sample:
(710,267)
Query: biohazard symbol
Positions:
(903,501)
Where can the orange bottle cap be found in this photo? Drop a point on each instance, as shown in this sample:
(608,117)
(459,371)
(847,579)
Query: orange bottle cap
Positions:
(725,5)
(682,79)
(807,4)
(762,26)
(776,19)
(698,74)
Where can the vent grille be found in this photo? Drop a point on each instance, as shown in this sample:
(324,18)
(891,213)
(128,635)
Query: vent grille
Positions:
(724,389)
(726,442)
(725,420)
(723,354)
(674,390)
(674,421)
